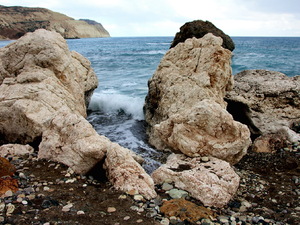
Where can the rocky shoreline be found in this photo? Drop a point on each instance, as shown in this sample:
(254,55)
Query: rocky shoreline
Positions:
(51,193)
(195,109)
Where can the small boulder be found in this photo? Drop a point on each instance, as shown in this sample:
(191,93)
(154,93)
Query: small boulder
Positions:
(269,143)
(6,168)
(8,184)
(15,150)
(213,183)
(185,210)
(126,174)
(73,142)
(175,193)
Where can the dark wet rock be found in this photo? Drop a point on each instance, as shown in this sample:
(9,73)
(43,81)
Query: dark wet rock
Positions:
(198,29)
(47,203)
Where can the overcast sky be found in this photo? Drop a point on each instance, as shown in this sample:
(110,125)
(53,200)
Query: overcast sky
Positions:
(165,17)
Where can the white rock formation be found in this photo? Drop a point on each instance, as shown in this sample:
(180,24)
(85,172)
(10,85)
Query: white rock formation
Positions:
(126,174)
(205,130)
(39,76)
(42,93)
(15,149)
(272,100)
(44,89)
(213,182)
(185,109)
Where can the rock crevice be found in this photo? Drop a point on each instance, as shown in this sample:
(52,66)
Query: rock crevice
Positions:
(267,101)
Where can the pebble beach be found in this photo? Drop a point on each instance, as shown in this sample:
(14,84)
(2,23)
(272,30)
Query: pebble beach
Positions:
(51,193)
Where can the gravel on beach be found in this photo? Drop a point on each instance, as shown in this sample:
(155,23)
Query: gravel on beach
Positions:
(51,193)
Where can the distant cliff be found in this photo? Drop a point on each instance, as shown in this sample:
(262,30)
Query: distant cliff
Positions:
(16,21)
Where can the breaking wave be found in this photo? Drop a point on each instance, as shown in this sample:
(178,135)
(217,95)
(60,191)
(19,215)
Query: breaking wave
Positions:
(115,103)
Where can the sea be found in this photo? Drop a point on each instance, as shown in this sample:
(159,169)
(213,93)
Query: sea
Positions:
(125,64)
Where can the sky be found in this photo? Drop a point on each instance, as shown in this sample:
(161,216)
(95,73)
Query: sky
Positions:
(124,18)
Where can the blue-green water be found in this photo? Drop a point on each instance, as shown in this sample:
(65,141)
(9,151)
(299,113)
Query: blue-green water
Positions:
(124,65)
(271,53)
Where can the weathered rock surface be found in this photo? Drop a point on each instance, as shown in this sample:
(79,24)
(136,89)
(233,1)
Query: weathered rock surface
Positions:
(6,168)
(43,96)
(8,184)
(185,210)
(184,107)
(71,140)
(205,129)
(17,21)
(38,77)
(198,29)
(269,143)
(267,101)
(126,174)
(15,150)
(213,182)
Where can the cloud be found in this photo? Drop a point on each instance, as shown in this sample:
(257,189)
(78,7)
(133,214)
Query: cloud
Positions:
(273,6)
(33,3)
(273,25)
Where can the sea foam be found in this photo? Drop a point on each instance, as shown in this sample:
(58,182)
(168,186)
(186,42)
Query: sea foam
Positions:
(115,103)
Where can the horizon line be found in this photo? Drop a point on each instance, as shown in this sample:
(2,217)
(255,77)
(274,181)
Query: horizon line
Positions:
(174,36)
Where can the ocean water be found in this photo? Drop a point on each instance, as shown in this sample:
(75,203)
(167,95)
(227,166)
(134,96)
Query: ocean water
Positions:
(271,53)
(125,64)
(123,67)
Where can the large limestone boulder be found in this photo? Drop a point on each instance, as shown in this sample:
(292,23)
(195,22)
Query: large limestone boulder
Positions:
(267,101)
(198,29)
(38,77)
(44,91)
(213,182)
(205,129)
(185,109)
